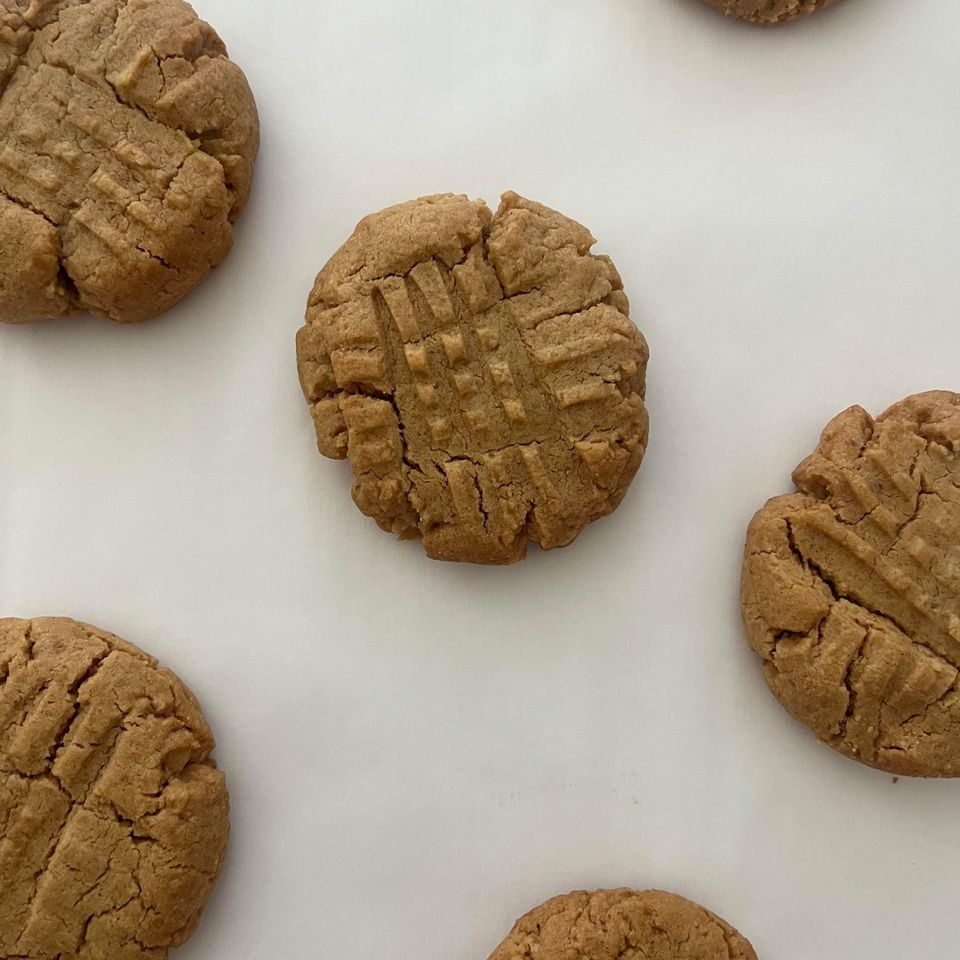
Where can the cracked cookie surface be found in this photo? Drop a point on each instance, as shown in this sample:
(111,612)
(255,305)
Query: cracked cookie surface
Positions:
(113,817)
(621,924)
(851,588)
(769,12)
(481,373)
(127,144)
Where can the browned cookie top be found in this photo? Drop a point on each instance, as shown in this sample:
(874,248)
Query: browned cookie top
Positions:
(769,12)
(481,373)
(113,817)
(851,588)
(616,924)
(127,143)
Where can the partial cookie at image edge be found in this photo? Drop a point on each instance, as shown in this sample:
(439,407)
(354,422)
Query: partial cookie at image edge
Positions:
(607,924)
(127,154)
(851,588)
(113,815)
(769,13)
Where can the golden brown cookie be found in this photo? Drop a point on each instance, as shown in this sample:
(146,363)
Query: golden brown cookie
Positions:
(851,588)
(769,12)
(616,924)
(481,373)
(127,143)
(113,817)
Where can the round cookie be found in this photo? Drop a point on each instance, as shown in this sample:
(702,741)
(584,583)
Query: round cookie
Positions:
(769,13)
(481,373)
(113,817)
(851,588)
(127,144)
(612,924)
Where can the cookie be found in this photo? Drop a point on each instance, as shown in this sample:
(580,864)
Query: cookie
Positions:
(851,588)
(113,817)
(127,144)
(769,12)
(480,372)
(614,924)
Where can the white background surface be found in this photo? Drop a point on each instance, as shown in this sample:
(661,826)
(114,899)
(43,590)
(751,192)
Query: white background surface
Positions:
(417,753)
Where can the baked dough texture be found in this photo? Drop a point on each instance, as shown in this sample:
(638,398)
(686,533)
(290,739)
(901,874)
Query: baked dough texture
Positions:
(851,588)
(621,924)
(769,13)
(127,144)
(481,373)
(113,817)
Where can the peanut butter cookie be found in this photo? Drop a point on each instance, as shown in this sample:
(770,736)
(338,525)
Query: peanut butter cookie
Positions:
(851,588)
(113,817)
(768,13)
(481,373)
(127,144)
(614,924)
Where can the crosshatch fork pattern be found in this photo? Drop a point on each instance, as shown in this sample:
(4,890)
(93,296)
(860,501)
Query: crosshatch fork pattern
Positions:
(487,390)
